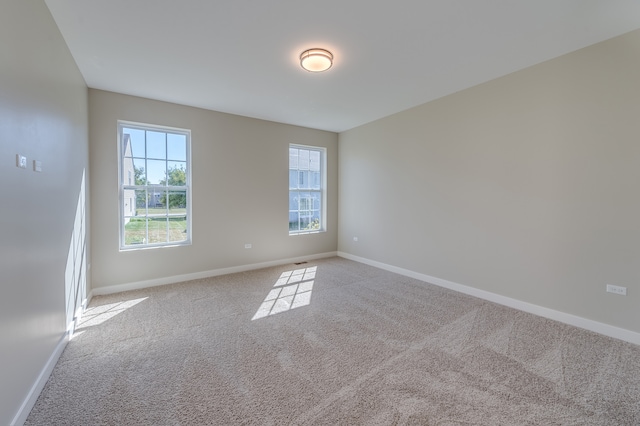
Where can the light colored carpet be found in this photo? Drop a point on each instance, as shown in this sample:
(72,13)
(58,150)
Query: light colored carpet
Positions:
(334,342)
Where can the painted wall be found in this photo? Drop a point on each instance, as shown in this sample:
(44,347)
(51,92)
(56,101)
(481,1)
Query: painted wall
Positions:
(526,186)
(240,178)
(43,116)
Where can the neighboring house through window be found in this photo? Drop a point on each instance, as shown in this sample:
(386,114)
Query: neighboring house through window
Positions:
(306,189)
(155,186)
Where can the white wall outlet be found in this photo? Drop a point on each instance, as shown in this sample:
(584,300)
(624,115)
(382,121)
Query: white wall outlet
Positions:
(615,289)
(37,166)
(21,161)
(247,246)
(355,239)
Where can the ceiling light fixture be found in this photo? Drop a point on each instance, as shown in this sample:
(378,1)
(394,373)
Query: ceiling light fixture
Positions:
(316,60)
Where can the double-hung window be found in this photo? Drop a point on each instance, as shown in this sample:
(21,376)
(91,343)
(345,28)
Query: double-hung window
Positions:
(307,170)
(155,185)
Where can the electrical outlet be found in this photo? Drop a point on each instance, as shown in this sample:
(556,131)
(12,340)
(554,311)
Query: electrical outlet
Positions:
(615,289)
(247,246)
(355,239)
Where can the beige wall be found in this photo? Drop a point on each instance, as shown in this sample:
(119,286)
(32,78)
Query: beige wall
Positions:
(43,116)
(240,191)
(526,186)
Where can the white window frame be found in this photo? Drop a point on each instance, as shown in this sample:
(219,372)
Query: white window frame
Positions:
(123,186)
(322,191)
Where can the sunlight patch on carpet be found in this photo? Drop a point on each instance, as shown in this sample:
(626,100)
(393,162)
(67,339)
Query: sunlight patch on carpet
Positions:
(292,290)
(98,314)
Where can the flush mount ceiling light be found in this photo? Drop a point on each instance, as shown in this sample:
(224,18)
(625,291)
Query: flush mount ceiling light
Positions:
(316,60)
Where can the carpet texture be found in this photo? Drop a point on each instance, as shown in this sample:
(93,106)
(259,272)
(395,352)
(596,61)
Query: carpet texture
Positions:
(332,342)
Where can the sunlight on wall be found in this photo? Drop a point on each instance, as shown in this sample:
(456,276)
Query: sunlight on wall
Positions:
(75,276)
(292,290)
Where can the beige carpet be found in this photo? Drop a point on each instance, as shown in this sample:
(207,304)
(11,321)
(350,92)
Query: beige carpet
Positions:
(332,342)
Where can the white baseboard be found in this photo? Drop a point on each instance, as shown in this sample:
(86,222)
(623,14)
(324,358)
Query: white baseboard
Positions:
(98,291)
(37,387)
(584,323)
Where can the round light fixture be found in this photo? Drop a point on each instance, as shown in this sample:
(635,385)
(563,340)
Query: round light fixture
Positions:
(316,60)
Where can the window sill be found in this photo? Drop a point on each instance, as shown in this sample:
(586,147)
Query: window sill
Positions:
(319,231)
(151,247)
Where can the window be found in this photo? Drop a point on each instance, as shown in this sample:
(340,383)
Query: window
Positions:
(155,186)
(306,189)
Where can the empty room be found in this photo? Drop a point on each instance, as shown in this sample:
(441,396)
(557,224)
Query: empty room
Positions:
(387,213)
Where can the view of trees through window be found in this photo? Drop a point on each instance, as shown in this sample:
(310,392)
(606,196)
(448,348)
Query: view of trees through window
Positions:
(155,206)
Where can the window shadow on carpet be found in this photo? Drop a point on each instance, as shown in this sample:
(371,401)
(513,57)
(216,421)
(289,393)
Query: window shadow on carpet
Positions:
(96,315)
(292,290)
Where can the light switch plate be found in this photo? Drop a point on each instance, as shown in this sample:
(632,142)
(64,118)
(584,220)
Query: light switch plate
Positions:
(37,166)
(21,161)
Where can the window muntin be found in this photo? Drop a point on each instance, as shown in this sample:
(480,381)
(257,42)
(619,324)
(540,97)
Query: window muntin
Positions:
(154,207)
(306,189)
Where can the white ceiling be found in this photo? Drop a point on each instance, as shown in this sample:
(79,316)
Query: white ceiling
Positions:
(241,56)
